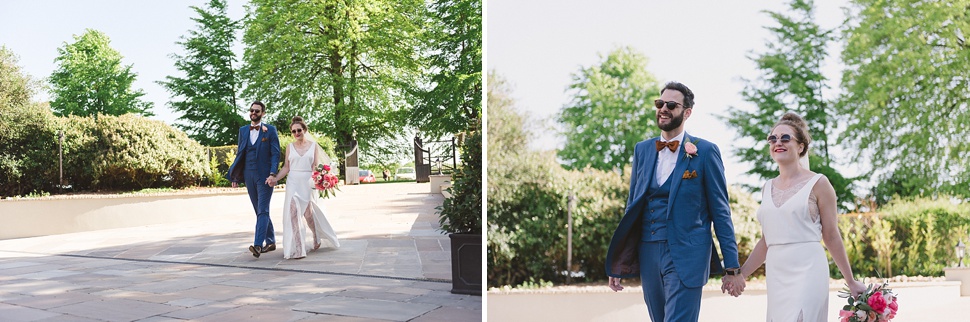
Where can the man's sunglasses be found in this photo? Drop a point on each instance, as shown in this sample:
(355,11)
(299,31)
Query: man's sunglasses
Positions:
(296,131)
(671,105)
(255,111)
(785,138)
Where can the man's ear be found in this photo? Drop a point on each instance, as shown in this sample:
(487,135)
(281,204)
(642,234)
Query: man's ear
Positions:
(687,112)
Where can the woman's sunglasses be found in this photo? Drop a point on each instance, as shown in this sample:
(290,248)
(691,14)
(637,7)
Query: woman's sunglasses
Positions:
(296,131)
(785,138)
(671,105)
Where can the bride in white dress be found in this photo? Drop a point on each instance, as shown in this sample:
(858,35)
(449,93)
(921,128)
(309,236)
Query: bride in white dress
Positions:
(301,199)
(798,209)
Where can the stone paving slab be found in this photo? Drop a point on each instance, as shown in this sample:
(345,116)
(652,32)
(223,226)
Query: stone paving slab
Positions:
(390,268)
(367,308)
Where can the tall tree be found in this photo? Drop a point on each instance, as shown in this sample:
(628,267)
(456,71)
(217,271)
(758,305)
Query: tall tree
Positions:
(455,98)
(206,95)
(345,66)
(907,95)
(90,79)
(611,110)
(16,87)
(791,80)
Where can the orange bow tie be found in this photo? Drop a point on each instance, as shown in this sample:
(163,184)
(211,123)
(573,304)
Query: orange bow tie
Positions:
(672,145)
(253,127)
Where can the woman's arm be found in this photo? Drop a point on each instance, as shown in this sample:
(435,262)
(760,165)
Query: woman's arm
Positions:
(825,194)
(284,170)
(755,259)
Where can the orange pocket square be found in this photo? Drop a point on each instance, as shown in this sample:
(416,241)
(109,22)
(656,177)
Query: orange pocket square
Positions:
(264,139)
(690,174)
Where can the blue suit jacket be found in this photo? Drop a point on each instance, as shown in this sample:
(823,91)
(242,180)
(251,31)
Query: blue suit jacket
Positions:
(694,205)
(267,154)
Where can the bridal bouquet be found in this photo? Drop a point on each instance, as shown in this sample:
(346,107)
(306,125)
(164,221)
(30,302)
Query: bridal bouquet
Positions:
(877,304)
(324,181)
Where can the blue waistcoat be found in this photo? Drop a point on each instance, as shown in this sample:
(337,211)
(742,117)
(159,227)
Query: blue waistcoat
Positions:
(655,213)
(250,152)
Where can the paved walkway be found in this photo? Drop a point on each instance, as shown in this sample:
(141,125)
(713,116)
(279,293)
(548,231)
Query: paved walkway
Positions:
(918,301)
(392,265)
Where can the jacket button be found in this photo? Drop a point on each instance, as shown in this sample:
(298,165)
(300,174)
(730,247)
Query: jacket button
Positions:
(653,233)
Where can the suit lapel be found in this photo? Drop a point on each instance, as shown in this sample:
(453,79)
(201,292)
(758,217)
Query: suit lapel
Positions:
(678,175)
(650,163)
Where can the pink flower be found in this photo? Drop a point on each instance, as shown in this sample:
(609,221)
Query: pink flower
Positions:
(877,302)
(893,306)
(326,167)
(845,315)
(690,150)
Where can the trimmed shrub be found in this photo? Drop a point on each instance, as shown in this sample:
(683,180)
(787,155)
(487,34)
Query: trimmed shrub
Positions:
(28,139)
(915,237)
(127,152)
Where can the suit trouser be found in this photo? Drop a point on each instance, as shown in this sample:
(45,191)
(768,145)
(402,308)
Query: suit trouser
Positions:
(666,296)
(260,194)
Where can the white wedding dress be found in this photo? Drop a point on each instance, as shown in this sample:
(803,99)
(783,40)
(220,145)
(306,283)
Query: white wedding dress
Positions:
(302,201)
(796,266)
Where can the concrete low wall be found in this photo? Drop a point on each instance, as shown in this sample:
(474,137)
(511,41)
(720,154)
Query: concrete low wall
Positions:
(41,217)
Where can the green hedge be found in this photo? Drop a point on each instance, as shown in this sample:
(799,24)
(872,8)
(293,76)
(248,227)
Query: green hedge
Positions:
(28,141)
(527,219)
(127,152)
(905,238)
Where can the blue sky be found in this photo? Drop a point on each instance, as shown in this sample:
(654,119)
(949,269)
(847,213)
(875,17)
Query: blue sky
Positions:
(144,32)
(537,45)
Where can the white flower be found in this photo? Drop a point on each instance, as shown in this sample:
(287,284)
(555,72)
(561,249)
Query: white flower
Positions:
(861,314)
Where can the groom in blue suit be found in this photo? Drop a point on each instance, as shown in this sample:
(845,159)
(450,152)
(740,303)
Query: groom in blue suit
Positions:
(257,158)
(677,192)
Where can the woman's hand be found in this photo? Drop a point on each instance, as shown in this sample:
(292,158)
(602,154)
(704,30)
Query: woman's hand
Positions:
(271,181)
(856,287)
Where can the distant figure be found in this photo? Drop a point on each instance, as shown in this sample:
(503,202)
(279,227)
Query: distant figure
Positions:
(387,174)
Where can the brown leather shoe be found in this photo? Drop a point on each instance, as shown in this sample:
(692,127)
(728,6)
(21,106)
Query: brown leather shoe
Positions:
(269,248)
(255,250)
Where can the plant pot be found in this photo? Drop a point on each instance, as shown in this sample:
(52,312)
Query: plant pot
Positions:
(466,264)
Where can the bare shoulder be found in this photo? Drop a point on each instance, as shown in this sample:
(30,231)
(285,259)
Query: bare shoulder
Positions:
(823,186)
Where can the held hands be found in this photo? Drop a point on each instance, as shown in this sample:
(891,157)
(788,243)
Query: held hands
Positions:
(271,181)
(732,284)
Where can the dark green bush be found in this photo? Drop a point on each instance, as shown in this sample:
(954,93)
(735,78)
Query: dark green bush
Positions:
(915,237)
(28,141)
(220,159)
(527,219)
(125,152)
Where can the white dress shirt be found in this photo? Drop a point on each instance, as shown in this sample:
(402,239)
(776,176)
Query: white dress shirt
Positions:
(253,134)
(667,160)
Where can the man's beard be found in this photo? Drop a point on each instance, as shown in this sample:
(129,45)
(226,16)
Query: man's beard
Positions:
(675,122)
(256,118)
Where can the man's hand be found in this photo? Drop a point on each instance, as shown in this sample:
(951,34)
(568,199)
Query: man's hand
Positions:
(615,284)
(235,184)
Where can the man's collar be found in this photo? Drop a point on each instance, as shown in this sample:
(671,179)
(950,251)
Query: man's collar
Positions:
(679,137)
